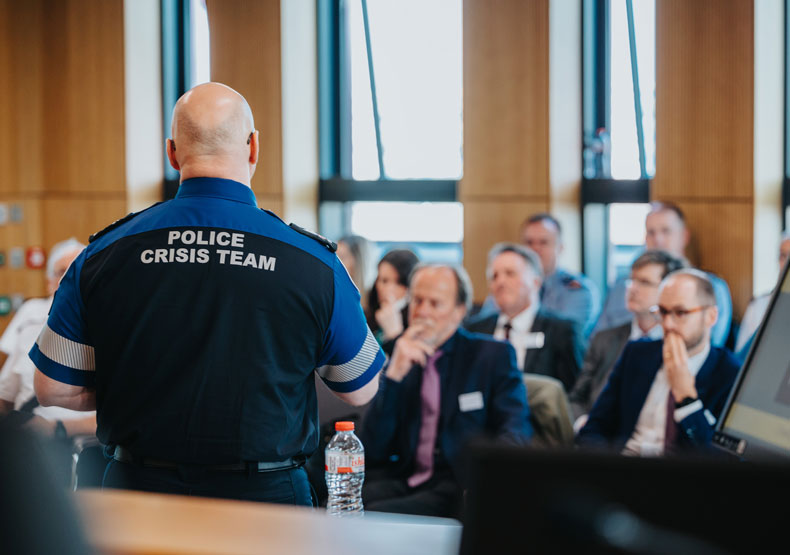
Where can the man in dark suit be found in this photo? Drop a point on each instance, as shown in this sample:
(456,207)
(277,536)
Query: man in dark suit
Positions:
(544,343)
(441,387)
(665,396)
(641,294)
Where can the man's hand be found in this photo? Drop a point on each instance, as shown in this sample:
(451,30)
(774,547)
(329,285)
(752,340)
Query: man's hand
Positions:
(410,349)
(676,364)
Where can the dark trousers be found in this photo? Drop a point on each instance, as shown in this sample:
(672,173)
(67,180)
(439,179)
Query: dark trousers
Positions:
(288,487)
(439,496)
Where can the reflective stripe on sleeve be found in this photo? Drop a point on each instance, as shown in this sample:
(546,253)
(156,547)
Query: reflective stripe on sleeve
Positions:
(356,366)
(65,351)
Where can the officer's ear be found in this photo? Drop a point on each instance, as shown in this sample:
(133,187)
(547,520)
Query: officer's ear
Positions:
(170,148)
(254,150)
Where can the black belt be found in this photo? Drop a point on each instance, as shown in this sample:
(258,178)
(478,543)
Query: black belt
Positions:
(124,455)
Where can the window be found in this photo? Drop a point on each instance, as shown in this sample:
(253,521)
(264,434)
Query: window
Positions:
(185,62)
(619,132)
(390,79)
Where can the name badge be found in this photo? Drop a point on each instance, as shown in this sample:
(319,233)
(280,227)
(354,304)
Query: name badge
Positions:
(470,401)
(535,340)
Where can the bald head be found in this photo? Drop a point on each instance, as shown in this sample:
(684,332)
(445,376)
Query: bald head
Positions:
(213,134)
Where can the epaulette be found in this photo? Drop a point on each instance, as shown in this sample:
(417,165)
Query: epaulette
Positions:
(332,246)
(570,281)
(119,222)
(270,213)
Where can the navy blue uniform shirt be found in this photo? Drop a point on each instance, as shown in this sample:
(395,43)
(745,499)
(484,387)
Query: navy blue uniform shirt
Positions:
(200,322)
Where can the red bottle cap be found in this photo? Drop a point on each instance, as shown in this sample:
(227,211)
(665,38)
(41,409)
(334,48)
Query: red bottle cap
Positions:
(344,426)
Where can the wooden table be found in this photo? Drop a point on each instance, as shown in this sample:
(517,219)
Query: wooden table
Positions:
(126,522)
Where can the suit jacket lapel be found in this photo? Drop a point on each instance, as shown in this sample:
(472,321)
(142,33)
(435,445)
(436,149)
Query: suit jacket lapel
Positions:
(705,375)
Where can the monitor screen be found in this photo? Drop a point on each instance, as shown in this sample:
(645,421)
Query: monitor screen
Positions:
(756,420)
(527,500)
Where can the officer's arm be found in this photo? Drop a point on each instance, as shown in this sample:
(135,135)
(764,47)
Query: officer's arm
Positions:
(351,357)
(360,396)
(52,392)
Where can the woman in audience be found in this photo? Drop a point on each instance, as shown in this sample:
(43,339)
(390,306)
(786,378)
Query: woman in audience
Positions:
(353,252)
(387,304)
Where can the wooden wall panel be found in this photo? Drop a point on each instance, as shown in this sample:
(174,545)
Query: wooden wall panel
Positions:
(704,99)
(78,217)
(245,55)
(487,223)
(62,129)
(506,98)
(21,108)
(705,131)
(722,243)
(506,124)
(84,98)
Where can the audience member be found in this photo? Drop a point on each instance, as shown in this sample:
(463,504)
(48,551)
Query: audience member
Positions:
(567,294)
(665,229)
(664,396)
(544,343)
(387,304)
(17,398)
(756,309)
(647,272)
(353,252)
(441,387)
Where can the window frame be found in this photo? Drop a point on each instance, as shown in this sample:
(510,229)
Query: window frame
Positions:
(596,113)
(336,183)
(176,73)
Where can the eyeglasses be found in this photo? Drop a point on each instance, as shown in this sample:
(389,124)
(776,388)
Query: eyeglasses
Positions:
(678,314)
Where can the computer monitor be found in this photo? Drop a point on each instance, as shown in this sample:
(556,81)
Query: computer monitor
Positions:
(526,500)
(755,422)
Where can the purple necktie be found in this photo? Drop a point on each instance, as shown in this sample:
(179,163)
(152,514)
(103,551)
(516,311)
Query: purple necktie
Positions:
(430,395)
(671,430)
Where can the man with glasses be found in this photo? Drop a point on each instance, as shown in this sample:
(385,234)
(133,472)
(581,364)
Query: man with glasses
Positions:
(647,271)
(664,396)
(665,229)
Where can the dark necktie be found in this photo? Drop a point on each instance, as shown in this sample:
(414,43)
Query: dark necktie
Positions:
(430,395)
(671,431)
(508,326)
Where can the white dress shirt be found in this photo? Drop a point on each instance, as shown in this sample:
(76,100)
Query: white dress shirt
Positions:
(648,437)
(521,336)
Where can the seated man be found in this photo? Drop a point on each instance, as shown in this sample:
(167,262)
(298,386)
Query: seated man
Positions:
(665,229)
(545,344)
(665,396)
(567,294)
(441,387)
(647,271)
(17,398)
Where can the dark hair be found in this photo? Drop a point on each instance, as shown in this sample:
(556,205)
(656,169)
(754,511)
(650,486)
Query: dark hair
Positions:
(668,262)
(667,206)
(463,285)
(530,256)
(404,261)
(543,217)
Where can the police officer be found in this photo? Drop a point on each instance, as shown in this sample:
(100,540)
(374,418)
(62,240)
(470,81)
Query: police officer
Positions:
(194,327)
(567,294)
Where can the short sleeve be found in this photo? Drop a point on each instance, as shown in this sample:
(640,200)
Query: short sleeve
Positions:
(62,350)
(351,356)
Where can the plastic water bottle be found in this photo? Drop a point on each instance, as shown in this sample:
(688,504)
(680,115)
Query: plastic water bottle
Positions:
(345,471)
